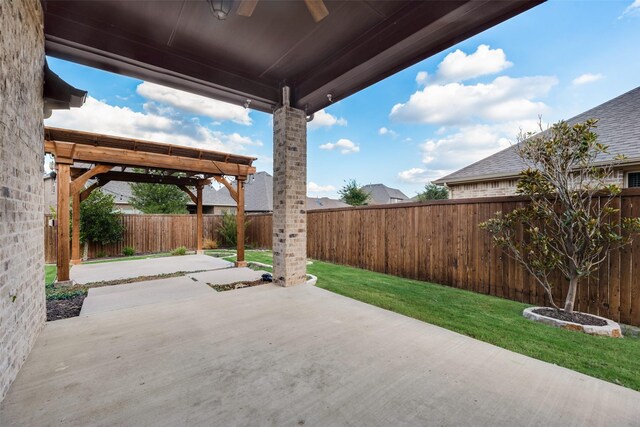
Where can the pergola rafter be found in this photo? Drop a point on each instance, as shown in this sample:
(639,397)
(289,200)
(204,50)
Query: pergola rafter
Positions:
(82,156)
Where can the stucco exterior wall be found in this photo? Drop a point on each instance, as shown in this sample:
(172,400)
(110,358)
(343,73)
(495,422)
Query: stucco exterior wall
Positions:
(22,299)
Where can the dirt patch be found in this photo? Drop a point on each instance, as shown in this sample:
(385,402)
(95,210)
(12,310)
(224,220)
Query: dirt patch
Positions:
(237,285)
(139,279)
(64,308)
(580,318)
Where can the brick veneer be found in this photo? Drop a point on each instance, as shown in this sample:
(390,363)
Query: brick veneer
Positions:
(506,187)
(22,300)
(289,196)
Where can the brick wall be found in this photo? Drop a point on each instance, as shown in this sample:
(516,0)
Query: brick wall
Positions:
(289,196)
(483,189)
(22,301)
(505,187)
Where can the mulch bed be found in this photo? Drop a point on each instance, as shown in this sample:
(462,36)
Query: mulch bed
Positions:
(580,318)
(238,285)
(64,308)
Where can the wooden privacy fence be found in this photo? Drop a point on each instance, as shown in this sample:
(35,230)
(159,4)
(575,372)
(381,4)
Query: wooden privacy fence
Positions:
(441,242)
(146,234)
(438,242)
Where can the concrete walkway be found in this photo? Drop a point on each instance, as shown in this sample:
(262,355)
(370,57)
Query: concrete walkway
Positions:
(290,357)
(107,271)
(195,285)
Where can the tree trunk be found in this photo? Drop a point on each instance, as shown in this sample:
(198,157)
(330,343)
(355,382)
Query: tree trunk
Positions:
(571,295)
(85,252)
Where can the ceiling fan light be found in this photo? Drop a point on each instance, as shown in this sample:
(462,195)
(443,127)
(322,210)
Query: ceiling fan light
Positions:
(220,8)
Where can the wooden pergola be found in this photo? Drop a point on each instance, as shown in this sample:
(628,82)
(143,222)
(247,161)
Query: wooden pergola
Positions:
(81,156)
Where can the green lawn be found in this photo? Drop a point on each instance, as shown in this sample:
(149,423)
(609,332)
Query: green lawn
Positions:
(494,320)
(50,271)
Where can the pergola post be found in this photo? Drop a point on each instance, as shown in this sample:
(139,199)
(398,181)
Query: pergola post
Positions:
(240,262)
(75,232)
(289,194)
(63,176)
(199,225)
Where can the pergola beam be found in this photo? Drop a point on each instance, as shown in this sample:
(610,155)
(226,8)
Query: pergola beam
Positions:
(127,157)
(232,191)
(150,178)
(192,196)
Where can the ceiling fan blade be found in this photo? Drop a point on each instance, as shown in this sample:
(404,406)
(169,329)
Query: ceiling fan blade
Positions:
(246,7)
(317,9)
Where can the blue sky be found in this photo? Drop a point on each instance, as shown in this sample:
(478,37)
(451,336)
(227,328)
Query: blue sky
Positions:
(556,60)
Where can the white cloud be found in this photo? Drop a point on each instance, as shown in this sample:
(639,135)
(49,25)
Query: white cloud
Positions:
(344,145)
(100,117)
(462,147)
(587,78)
(458,66)
(313,188)
(387,131)
(467,145)
(323,119)
(421,176)
(632,10)
(505,98)
(196,104)
(422,77)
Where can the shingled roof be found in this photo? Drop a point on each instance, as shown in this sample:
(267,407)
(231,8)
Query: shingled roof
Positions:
(380,194)
(618,127)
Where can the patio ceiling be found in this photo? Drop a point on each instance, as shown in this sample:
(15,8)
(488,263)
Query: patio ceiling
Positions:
(182,45)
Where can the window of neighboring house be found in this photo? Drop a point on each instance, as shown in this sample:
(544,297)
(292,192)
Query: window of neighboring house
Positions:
(633,179)
(394,200)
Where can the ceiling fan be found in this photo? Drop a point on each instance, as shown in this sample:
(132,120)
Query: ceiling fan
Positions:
(317,9)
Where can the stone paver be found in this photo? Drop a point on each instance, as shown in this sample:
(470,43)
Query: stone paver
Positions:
(88,273)
(287,357)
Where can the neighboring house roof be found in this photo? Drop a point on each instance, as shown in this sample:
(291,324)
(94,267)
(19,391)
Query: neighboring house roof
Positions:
(618,127)
(380,194)
(324,203)
(258,194)
(120,190)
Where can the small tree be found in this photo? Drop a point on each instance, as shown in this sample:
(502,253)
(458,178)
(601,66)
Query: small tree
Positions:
(571,223)
(352,194)
(433,192)
(158,199)
(99,223)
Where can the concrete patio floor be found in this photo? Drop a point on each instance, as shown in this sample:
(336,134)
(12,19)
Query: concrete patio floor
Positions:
(128,269)
(291,356)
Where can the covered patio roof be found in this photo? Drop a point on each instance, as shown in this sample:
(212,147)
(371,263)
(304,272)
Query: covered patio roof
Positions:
(181,44)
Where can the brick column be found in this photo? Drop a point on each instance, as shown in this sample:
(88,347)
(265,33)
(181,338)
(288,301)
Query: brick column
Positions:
(289,196)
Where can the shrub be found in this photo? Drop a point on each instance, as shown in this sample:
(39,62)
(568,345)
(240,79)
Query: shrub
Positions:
(210,244)
(179,251)
(101,254)
(228,229)
(128,251)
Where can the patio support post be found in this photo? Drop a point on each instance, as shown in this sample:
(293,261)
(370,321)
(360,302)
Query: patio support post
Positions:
(200,225)
(64,180)
(289,194)
(240,262)
(75,232)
